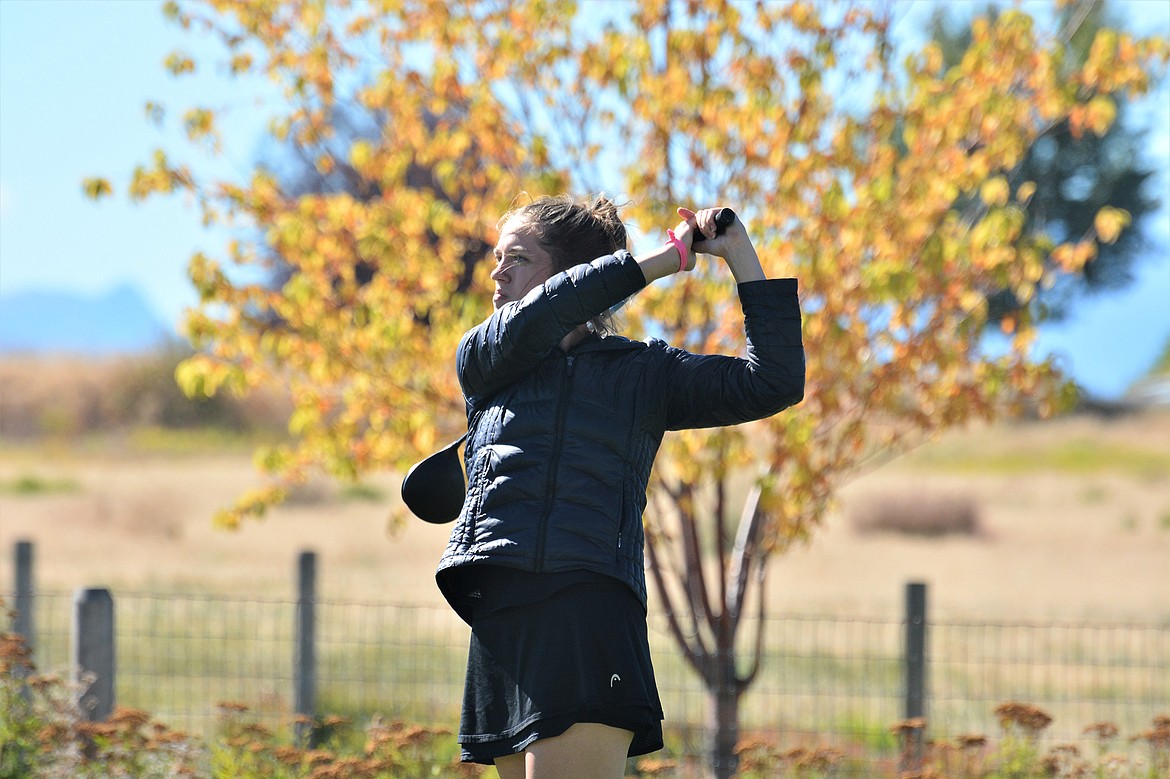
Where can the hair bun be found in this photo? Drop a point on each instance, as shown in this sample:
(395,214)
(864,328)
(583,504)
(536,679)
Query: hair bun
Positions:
(605,211)
(575,231)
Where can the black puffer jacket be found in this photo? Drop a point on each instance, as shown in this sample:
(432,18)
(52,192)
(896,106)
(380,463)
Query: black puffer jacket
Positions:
(560,445)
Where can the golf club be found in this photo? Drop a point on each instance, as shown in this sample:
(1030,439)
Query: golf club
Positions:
(434,487)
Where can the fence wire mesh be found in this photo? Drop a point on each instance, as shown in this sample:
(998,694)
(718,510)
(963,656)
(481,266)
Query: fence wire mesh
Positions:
(823,679)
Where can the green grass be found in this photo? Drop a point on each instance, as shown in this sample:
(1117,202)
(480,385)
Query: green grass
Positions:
(874,736)
(31,484)
(206,440)
(363,492)
(142,441)
(1076,456)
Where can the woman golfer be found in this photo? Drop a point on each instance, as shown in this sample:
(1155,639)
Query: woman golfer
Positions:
(564,420)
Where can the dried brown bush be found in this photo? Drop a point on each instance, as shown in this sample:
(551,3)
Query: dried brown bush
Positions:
(929,514)
(67,396)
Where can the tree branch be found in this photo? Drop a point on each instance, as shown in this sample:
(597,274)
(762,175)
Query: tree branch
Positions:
(721,545)
(1075,20)
(744,682)
(694,576)
(695,653)
(745,546)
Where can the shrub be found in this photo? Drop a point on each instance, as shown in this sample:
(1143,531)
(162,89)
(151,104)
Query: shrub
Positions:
(43,733)
(66,396)
(143,392)
(918,514)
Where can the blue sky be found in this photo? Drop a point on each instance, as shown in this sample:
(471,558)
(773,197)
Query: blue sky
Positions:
(75,75)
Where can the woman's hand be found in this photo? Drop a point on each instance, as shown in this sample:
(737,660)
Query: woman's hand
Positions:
(734,245)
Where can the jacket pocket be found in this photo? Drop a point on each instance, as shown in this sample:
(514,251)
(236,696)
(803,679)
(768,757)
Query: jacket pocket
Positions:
(624,521)
(476,490)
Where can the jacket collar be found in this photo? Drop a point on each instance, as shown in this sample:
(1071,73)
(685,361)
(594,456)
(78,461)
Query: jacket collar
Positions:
(595,343)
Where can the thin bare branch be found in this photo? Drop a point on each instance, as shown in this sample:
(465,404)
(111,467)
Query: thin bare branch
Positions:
(721,545)
(744,682)
(745,546)
(694,576)
(1075,20)
(695,653)
(681,569)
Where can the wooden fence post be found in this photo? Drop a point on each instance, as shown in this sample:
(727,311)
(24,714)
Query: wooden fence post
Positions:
(305,656)
(22,618)
(93,653)
(914,675)
(22,623)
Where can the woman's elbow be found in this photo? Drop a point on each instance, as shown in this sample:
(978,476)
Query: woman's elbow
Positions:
(791,390)
(797,396)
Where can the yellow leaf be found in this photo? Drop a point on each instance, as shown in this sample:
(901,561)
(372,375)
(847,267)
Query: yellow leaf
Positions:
(1064,257)
(933,56)
(995,191)
(198,122)
(241,63)
(360,155)
(1099,114)
(1085,252)
(96,188)
(190,376)
(1109,223)
(882,188)
(1071,258)
(179,63)
(1025,192)
(1076,121)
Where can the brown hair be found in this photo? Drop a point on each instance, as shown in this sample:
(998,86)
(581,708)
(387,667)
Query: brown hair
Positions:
(575,231)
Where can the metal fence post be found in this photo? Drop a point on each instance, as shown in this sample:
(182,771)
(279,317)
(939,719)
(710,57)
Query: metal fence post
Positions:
(305,655)
(915,675)
(93,651)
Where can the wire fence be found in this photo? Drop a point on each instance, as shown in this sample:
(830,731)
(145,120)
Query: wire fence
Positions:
(824,680)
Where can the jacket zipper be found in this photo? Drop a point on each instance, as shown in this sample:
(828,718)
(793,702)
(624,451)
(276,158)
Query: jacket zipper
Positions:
(558,440)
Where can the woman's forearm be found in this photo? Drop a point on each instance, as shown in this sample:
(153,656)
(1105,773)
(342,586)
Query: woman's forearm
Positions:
(658,263)
(745,263)
(516,337)
(664,261)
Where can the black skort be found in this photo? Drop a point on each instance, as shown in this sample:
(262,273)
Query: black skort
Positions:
(551,650)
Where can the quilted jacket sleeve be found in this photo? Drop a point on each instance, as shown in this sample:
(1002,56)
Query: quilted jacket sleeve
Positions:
(713,390)
(511,342)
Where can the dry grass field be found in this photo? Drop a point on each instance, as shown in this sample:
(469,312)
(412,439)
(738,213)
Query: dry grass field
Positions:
(1073,523)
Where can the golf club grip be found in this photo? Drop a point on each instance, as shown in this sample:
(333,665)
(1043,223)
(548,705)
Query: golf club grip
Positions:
(723,219)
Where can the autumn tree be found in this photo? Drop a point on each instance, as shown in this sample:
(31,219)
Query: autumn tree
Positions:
(1076,172)
(845,158)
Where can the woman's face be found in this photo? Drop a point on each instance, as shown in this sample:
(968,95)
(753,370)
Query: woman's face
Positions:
(522,263)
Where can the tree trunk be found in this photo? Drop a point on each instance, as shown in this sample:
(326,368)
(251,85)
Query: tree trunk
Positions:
(724,712)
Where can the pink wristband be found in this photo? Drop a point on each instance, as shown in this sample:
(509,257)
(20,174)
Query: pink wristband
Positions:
(682,250)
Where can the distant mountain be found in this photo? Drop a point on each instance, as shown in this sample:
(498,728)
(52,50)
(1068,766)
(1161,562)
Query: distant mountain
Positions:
(52,321)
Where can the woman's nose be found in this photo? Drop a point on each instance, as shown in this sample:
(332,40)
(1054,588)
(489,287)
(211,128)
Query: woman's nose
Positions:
(498,271)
